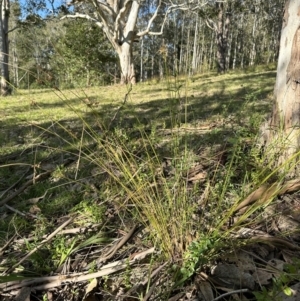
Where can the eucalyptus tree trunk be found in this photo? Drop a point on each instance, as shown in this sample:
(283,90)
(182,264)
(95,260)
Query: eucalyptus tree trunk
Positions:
(235,51)
(281,134)
(253,47)
(181,57)
(195,53)
(125,39)
(142,61)
(211,52)
(222,36)
(228,56)
(4,53)
(187,59)
(15,64)
(126,64)
(202,53)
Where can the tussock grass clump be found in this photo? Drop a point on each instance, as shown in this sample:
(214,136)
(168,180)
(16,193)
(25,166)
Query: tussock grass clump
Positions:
(176,164)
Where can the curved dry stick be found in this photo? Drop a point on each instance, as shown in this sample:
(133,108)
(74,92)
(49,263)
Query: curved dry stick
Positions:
(265,192)
(117,246)
(38,178)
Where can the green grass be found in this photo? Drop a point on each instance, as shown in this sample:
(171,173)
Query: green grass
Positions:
(116,163)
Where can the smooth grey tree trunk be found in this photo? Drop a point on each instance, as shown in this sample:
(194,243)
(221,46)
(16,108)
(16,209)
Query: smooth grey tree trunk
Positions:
(195,53)
(222,30)
(281,134)
(126,64)
(142,61)
(4,53)
(253,48)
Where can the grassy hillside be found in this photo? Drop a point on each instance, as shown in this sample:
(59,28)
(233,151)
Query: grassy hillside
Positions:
(121,170)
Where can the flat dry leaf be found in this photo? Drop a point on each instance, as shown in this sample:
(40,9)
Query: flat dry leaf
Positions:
(36,200)
(34,209)
(262,277)
(277,264)
(198,177)
(90,288)
(206,290)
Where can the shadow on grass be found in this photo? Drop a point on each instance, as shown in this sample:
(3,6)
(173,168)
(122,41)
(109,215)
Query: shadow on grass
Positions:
(171,124)
(212,103)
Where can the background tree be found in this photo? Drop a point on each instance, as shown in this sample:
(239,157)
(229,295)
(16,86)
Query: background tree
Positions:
(118,20)
(4,51)
(82,55)
(60,52)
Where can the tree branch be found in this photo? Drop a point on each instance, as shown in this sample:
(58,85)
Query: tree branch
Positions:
(213,26)
(98,7)
(170,9)
(16,27)
(119,16)
(147,30)
(83,16)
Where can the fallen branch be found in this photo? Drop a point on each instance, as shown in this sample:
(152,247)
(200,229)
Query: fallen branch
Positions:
(32,181)
(26,215)
(88,228)
(55,281)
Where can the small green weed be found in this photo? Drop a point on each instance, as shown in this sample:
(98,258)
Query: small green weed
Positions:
(281,283)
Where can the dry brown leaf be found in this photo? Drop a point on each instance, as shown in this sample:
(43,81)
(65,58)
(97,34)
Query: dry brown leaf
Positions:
(277,264)
(262,277)
(36,200)
(34,209)
(198,177)
(206,290)
(49,296)
(233,276)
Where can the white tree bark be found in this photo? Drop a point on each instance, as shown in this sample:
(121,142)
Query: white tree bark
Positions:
(4,54)
(195,54)
(281,133)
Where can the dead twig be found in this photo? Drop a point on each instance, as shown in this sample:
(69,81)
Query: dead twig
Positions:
(38,178)
(243,290)
(20,213)
(39,246)
(117,246)
(142,284)
(6,245)
(120,107)
(78,230)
